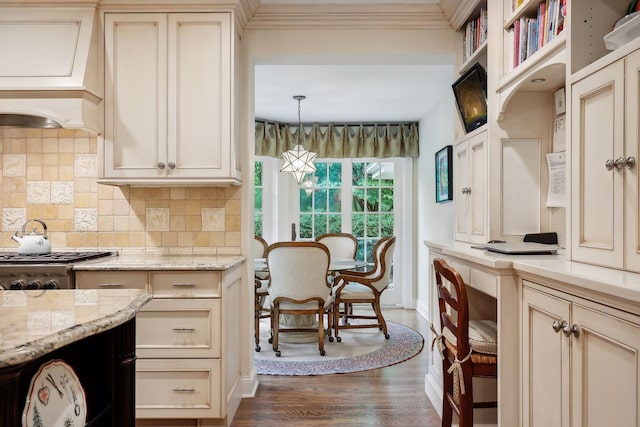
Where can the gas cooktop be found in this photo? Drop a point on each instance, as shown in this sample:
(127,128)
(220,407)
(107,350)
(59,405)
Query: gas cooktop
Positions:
(51,258)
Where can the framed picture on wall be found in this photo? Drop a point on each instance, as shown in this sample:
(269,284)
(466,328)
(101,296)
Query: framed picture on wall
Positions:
(444,170)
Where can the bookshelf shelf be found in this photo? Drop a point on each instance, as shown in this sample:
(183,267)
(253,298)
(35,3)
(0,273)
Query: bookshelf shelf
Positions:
(479,52)
(527,8)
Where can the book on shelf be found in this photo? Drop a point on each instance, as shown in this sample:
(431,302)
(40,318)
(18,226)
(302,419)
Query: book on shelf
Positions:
(475,34)
(530,33)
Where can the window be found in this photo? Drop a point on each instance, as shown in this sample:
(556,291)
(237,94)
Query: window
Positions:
(321,201)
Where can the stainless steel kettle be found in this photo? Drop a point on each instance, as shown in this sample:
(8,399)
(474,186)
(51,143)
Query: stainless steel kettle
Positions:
(33,243)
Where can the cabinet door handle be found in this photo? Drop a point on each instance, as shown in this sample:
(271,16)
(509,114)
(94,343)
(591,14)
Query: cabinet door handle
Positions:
(620,163)
(184,285)
(573,330)
(161,165)
(184,329)
(631,162)
(184,390)
(609,164)
(171,165)
(109,285)
(558,326)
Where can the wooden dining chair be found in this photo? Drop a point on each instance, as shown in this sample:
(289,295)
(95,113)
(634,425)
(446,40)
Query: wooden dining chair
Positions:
(298,286)
(352,287)
(261,282)
(468,347)
(341,245)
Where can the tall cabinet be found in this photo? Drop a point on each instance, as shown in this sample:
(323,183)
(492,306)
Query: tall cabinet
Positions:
(168,99)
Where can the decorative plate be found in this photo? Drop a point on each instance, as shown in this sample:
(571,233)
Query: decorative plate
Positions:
(56,398)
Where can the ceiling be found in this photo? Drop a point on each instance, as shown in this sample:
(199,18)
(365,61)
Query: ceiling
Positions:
(351,93)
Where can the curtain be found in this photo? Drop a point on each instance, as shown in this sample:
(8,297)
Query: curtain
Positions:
(340,141)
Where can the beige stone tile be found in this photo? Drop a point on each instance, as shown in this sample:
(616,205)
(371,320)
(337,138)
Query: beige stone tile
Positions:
(229,250)
(122,192)
(49,145)
(194,223)
(178,207)
(161,193)
(120,207)
(201,238)
(50,212)
(62,192)
(83,185)
(14,165)
(38,192)
(105,240)
(121,223)
(157,219)
(59,225)
(105,208)
(74,239)
(216,238)
(185,239)
(177,223)
(121,239)
(194,207)
(177,193)
(158,203)
(34,159)
(65,145)
(34,173)
(13,218)
(193,193)
(66,159)
(105,223)
(81,145)
(169,239)
(86,220)
(232,192)
(34,145)
(233,207)
(232,238)
(85,165)
(82,200)
(105,192)
(50,173)
(50,159)
(213,219)
(232,223)
(66,212)
(66,173)
(58,239)
(138,238)
(89,239)
(137,223)
(18,145)
(138,208)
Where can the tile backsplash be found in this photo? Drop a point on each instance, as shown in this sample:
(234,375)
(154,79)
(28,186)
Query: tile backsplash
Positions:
(50,174)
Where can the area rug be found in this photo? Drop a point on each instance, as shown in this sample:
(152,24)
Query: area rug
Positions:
(360,350)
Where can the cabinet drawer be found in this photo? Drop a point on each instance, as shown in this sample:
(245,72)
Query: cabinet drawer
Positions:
(111,279)
(484,282)
(179,328)
(185,284)
(185,388)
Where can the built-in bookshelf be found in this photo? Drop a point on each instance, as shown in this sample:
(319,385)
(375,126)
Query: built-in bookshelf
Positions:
(532,25)
(475,35)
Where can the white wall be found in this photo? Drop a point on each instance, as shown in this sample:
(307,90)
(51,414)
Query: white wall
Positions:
(435,221)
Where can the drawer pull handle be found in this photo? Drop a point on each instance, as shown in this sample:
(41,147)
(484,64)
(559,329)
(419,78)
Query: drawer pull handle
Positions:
(184,285)
(184,390)
(110,285)
(184,329)
(571,330)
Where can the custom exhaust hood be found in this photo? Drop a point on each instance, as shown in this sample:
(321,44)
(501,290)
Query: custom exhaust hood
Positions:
(49,67)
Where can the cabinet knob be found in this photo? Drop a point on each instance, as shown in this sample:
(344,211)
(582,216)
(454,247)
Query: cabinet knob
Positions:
(465,190)
(171,165)
(571,330)
(609,164)
(631,162)
(620,163)
(161,165)
(559,326)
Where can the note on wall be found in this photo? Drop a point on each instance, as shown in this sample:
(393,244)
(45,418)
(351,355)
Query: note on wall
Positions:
(556,163)
(559,132)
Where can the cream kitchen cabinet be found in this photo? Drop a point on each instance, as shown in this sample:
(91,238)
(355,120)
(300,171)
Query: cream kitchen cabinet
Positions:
(168,99)
(188,366)
(470,188)
(580,361)
(604,181)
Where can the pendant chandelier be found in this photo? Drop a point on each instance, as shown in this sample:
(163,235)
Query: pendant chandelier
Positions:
(299,161)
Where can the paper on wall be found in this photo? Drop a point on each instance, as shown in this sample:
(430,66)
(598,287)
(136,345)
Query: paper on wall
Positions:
(556,163)
(559,133)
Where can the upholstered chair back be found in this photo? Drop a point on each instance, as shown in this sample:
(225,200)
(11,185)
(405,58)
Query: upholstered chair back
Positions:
(341,245)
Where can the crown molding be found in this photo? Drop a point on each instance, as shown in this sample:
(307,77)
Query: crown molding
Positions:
(374,16)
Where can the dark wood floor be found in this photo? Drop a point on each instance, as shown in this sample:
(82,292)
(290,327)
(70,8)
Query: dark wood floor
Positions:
(391,396)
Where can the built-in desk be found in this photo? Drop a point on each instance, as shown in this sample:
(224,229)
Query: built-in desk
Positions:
(593,358)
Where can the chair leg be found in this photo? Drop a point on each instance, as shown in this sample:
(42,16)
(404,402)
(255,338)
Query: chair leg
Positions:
(466,400)
(447,388)
(336,320)
(257,313)
(275,326)
(381,321)
(321,329)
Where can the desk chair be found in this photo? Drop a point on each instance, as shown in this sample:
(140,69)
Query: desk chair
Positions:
(261,282)
(468,347)
(364,287)
(298,286)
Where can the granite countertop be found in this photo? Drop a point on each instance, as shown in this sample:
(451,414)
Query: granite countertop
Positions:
(36,322)
(161,262)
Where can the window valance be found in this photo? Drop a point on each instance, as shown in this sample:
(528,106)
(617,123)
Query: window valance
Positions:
(340,141)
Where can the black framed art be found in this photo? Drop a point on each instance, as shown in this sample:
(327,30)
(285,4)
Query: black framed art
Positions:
(444,170)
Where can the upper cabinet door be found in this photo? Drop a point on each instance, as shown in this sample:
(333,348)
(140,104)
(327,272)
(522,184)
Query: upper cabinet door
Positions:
(199,125)
(631,149)
(470,188)
(597,125)
(135,135)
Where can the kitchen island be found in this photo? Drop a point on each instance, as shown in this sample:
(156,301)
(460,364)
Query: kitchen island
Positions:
(90,334)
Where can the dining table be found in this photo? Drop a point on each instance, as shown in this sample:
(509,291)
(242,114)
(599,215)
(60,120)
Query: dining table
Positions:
(336,265)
